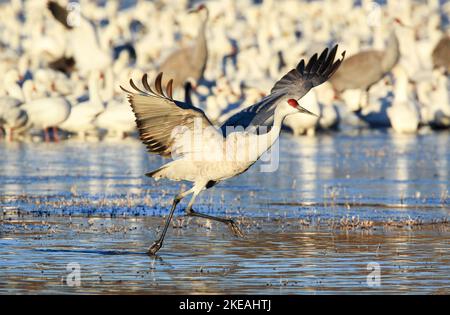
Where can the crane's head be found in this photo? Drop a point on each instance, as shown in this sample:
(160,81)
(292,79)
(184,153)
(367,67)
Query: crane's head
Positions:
(202,11)
(397,21)
(199,8)
(296,108)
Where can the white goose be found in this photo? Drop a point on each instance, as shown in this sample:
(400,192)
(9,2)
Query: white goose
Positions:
(82,116)
(44,113)
(438,108)
(12,118)
(11,85)
(329,113)
(83,40)
(403,113)
(117,119)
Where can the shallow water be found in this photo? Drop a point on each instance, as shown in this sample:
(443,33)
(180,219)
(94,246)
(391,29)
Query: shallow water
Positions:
(336,203)
(273,258)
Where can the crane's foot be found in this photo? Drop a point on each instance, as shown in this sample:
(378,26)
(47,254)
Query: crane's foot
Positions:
(154,248)
(234,228)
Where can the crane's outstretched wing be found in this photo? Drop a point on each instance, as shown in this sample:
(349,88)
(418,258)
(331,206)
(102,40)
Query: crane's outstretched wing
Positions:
(254,115)
(295,84)
(161,120)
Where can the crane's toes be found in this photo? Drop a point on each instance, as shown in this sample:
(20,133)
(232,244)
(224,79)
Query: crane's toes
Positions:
(154,248)
(235,229)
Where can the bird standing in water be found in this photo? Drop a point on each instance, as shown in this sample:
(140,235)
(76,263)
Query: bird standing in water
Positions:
(205,155)
(364,69)
(189,62)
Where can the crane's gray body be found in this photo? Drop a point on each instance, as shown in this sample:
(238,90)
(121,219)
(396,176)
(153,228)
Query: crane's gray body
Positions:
(188,63)
(366,68)
(441,54)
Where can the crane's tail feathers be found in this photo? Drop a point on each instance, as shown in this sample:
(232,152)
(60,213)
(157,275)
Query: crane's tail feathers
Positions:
(156,174)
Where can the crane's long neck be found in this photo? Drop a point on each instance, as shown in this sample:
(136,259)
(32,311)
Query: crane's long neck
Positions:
(201,48)
(266,140)
(392,53)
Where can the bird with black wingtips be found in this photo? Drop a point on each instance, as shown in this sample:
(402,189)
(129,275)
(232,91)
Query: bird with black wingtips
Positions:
(83,38)
(205,155)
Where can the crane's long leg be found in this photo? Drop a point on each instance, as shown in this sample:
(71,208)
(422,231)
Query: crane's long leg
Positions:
(229,222)
(55,134)
(46,135)
(158,243)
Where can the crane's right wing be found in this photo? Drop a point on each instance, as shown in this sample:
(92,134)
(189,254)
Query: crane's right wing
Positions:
(167,126)
(297,82)
(294,84)
(254,115)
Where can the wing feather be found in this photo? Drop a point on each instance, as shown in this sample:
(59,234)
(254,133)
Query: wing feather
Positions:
(169,88)
(160,119)
(297,82)
(294,84)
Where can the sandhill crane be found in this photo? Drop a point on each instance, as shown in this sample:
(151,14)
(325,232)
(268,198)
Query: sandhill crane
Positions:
(441,54)
(205,155)
(190,62)
(366,68)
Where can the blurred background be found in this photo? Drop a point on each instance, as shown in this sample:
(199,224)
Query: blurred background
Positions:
(63,62)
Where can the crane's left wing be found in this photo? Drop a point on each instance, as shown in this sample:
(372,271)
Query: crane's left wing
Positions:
(167,126)
(294,84)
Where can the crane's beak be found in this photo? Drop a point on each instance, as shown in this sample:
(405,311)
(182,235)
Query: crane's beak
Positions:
(305,111)
(293,103)
(197,9)
(400,22)
(193,10)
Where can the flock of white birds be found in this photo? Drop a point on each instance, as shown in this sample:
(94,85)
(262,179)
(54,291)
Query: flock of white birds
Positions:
(60,82)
